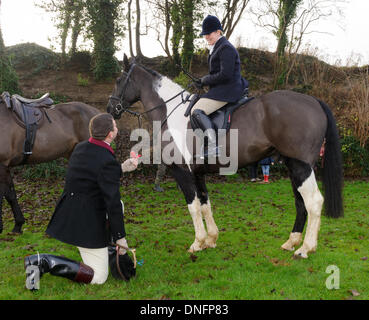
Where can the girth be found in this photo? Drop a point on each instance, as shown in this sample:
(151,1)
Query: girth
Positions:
(29,114)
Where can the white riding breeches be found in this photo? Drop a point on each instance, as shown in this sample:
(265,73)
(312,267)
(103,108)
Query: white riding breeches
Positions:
(98,260)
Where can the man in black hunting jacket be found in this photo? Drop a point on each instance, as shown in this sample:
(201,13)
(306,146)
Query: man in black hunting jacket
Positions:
(89,203)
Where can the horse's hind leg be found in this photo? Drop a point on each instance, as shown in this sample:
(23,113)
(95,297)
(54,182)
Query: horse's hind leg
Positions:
(296,234)
(212,228)
(303,178)
(7,190)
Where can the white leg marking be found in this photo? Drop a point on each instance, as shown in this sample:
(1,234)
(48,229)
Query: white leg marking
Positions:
(313,200)
(213,232)
(200,232)
(294,240)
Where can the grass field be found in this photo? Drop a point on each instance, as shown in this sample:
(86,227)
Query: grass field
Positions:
(254,221)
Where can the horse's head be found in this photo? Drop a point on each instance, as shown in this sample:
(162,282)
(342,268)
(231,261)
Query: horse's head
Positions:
(126,91)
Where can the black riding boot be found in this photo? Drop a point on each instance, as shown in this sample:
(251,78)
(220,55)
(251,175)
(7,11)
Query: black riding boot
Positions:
(204,123)
(57,266)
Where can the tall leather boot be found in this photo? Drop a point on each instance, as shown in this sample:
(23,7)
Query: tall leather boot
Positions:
(57,266)
(204,123)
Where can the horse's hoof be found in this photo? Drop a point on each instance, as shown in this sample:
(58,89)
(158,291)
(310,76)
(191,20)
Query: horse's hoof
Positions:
(15,233)
(195,247)
(17,230)
(300,255)
(210,244)
(287,247)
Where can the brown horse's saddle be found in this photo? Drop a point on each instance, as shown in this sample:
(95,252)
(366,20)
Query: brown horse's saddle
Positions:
(29,113)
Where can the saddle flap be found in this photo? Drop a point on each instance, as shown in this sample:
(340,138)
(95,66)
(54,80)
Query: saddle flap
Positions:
(26,114)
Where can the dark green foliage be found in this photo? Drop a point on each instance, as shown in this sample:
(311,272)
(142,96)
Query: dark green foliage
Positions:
(355,157)
(8,76)
(188,34)
(103,15)
(47,170)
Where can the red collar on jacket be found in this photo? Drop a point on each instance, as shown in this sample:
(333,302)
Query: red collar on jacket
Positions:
(101,144)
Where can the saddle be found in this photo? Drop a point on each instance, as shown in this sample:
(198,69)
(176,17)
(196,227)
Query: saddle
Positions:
(29,114)
(221,118)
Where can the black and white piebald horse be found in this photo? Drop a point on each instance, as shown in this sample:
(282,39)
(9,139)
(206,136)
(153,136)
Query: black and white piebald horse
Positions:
(292,125)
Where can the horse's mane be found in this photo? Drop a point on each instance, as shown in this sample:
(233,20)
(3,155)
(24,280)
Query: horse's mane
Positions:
(153,72)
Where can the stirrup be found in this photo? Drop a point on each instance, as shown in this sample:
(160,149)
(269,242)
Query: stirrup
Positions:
(214,152)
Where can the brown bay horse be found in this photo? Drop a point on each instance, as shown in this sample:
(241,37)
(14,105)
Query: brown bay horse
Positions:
(291,125)
(56,138)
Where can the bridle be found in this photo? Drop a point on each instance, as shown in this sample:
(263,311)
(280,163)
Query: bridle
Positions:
(121,107)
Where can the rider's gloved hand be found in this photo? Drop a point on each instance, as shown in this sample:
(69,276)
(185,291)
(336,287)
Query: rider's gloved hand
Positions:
(205,80)
(198,84)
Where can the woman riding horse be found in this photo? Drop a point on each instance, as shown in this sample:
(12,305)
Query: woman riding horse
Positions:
(224,79)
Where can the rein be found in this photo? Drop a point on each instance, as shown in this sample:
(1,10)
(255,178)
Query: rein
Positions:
(133,251)
(119,108)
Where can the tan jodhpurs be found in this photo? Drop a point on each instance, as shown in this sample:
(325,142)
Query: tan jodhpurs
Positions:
(208,105)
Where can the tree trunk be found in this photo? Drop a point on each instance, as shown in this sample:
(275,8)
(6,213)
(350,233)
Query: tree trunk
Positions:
(76,29)
(66,25)
(130,29)
(167,29)
(138,25)
(177,34)
(188,36)
(2,45)
(286,12)
(233,14)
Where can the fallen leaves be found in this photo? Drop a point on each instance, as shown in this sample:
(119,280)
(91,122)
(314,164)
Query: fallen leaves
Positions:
(193,257)
(354,293)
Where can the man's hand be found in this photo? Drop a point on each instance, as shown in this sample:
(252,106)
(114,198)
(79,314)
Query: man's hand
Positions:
(130,164)
(122,242)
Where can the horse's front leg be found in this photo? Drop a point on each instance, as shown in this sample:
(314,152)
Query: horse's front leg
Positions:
(186,182)
(212,228)
(7,190)
(213,232)
(200,232)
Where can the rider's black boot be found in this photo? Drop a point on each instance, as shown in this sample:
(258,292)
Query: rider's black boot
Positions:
(57,266)
(204,123)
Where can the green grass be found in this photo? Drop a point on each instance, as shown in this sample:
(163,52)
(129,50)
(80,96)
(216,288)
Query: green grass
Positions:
(254,221)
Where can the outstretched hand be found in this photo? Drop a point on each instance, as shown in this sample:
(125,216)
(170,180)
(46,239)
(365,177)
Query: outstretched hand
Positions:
(131,163)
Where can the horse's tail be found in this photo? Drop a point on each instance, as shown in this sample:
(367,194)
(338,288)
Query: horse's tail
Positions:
(332,167)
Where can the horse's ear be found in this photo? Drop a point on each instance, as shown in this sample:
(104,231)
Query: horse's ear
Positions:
(125,63)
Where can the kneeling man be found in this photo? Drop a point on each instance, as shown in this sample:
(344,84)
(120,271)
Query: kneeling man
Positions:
(89,213)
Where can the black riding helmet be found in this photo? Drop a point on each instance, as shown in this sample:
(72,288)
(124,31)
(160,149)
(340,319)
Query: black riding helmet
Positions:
(210,24)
